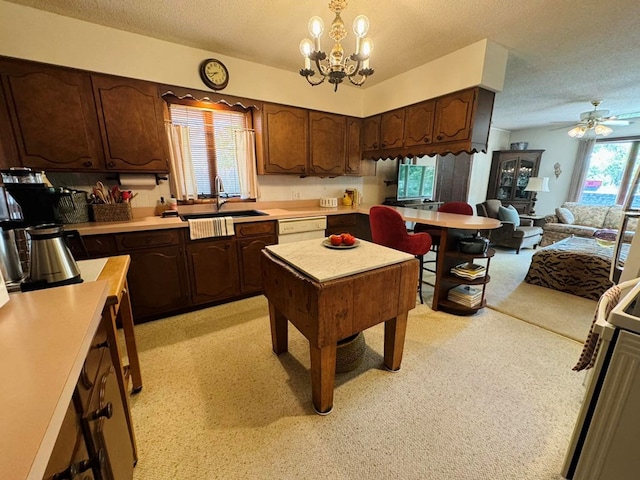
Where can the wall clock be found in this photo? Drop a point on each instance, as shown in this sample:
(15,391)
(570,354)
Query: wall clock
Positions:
(214,74)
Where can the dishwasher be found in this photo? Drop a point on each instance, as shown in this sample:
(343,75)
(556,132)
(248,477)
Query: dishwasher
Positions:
(296,229)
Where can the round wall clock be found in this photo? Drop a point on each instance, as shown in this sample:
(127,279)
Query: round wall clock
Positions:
(214,74)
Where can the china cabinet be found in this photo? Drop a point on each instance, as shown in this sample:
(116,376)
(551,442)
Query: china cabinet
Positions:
(510,172)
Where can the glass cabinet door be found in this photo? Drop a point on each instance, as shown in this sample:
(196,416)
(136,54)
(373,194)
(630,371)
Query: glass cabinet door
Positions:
(525,170)
(507,180)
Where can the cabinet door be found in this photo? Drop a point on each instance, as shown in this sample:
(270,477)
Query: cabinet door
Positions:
(507,179)
(418,124)
(453,116)
(328,143)
(52,117)
(354,146)
(392,129)
(213,265)
(286,139)
(131,119)
(371,133)
(157,281)
(250,273)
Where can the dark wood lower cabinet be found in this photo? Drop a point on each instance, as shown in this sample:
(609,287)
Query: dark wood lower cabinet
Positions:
(93,442)
(157,281)
(250,274)
(213,267)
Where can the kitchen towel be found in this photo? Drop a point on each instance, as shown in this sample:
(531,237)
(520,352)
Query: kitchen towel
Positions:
(211,227)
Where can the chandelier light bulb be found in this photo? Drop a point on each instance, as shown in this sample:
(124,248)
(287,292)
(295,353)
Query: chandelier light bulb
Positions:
(361,26)
(316,27)
(306,47)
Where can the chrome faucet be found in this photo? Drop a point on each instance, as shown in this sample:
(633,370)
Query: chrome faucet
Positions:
(218,188)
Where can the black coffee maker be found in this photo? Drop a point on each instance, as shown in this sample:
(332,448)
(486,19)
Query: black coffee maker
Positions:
(38,200)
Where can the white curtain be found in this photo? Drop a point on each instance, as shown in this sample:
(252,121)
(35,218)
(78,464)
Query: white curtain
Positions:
(182,178)
(580,169)
(246,158)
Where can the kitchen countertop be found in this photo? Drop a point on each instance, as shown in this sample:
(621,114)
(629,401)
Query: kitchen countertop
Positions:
(446,220)
(44,339)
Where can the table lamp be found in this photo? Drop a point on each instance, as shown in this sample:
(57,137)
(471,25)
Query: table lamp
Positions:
(535,185)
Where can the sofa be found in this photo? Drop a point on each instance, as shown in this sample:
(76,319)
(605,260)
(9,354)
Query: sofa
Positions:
(509,234)
(584,221)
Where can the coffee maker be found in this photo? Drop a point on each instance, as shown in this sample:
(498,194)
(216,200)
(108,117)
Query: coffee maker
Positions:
(32,214)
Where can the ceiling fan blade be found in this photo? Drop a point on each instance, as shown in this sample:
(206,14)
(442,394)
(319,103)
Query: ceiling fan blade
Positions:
(627,116)
(615,121)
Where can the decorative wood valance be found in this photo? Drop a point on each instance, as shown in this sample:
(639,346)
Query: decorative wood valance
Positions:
(206,96)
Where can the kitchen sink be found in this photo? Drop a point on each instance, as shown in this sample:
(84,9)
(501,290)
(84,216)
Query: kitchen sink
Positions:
(236,214)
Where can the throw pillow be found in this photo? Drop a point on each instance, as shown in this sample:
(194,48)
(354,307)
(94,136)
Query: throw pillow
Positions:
(565,215)
(509,214)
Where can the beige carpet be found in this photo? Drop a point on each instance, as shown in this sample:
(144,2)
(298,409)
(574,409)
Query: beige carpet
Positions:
(482,397)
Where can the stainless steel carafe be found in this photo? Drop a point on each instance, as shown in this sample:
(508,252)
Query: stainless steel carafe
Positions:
(51,260)
(9,258)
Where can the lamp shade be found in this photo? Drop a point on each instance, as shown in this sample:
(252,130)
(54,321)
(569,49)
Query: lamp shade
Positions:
(537,184)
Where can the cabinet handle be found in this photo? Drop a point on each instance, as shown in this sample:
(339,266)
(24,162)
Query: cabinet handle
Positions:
(312,169)
(104,344)
(426,138)
(106,411)
(82,466)
(84,378)
(383,144)
(375,145)
(88,163)
(439,137)
(111,164)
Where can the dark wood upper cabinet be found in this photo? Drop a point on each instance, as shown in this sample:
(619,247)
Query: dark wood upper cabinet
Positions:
(328,143)
(418,125)
(354,146)
(286,139)
(371,133)
(130,113)
(453,116)
(391,129)
(63,119)
(454,123)
(52,116)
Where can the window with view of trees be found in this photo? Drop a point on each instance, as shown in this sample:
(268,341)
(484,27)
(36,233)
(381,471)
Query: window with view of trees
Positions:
(212,143)
(611,167)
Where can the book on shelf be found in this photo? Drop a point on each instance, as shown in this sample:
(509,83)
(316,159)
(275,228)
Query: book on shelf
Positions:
(466,295)
(469,270)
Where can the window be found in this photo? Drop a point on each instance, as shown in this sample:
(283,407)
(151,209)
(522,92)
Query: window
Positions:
(611,167)
(212,143)
(416,178)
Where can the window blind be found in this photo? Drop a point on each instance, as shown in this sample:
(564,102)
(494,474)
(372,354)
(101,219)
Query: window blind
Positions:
(212,145)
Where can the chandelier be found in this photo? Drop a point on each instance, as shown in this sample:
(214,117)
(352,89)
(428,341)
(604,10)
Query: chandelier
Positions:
(580,130)
(336,67)
(593,120)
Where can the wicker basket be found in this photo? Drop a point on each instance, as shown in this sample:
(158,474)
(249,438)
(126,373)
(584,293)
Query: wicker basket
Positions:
(112,212)
(73,208)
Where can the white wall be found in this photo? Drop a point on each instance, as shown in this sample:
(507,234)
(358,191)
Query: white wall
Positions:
(45,37)
(559,148)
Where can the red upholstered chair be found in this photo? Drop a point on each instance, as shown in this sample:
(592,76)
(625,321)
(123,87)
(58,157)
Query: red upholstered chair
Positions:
(461,208)
(388,229)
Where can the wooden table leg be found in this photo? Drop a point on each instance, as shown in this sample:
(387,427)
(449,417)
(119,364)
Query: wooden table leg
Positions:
(323,373)
(126,320)
(279,330)
(394,333)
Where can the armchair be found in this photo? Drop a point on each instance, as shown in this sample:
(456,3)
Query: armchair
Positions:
(509,235)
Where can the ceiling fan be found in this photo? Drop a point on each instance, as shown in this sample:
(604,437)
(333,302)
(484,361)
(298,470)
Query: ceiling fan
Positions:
(598,120)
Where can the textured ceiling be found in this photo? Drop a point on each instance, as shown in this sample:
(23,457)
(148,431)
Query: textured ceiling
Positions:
(562,54)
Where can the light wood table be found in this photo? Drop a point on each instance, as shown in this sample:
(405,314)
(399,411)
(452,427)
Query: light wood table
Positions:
(118,306)
(329,295)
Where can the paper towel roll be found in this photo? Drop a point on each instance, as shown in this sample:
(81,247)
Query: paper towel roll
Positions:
(138,179)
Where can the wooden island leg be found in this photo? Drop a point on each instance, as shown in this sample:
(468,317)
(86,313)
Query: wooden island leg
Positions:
(323,373)
(394,333)
(279,330)
(126,320)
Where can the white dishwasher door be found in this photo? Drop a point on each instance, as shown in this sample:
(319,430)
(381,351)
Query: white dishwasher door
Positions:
(297,229)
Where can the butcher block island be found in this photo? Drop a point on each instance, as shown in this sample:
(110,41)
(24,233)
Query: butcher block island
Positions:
(330,294)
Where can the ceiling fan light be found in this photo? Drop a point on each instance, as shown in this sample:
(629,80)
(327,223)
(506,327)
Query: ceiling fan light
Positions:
(602,130)
(577,132)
